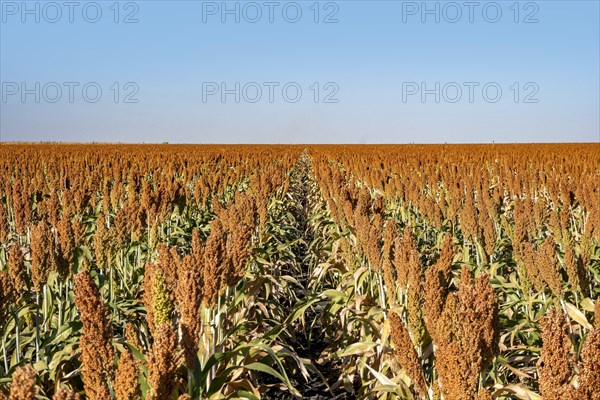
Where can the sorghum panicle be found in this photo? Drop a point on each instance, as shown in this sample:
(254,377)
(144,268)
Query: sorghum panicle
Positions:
(406,354)
(189,301)
(162,363)
(66,247)
(555,367)
(97,353)
(16,270)
(547,264)
(23,384)
(65,394)
(43,258)
(126,385)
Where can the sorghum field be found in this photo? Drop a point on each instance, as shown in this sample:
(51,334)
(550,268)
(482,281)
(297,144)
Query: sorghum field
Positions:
(455,272)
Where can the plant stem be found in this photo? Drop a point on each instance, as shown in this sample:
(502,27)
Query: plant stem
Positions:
(17,338)
(37,327)
(5,358)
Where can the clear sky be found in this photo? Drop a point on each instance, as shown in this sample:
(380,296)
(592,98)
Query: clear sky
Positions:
(300,72)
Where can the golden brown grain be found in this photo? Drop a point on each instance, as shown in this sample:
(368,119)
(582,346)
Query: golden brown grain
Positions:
(23,384)
(126,385)
(97,353)
(406,354)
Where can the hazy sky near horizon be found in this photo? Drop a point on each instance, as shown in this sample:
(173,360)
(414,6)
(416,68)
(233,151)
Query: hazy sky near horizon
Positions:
(300,72)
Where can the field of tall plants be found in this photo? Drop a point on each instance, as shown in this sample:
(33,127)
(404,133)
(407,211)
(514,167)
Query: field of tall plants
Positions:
(425,272)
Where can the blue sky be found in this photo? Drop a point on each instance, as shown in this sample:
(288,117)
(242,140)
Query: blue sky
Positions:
(339,72)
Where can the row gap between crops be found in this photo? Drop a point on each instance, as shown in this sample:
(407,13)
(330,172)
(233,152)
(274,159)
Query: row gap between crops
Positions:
(309,338)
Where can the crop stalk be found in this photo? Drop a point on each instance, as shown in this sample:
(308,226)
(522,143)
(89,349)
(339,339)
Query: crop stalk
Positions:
(17,337)
(4,355)
(381,292)
(60,303)
(37,327)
